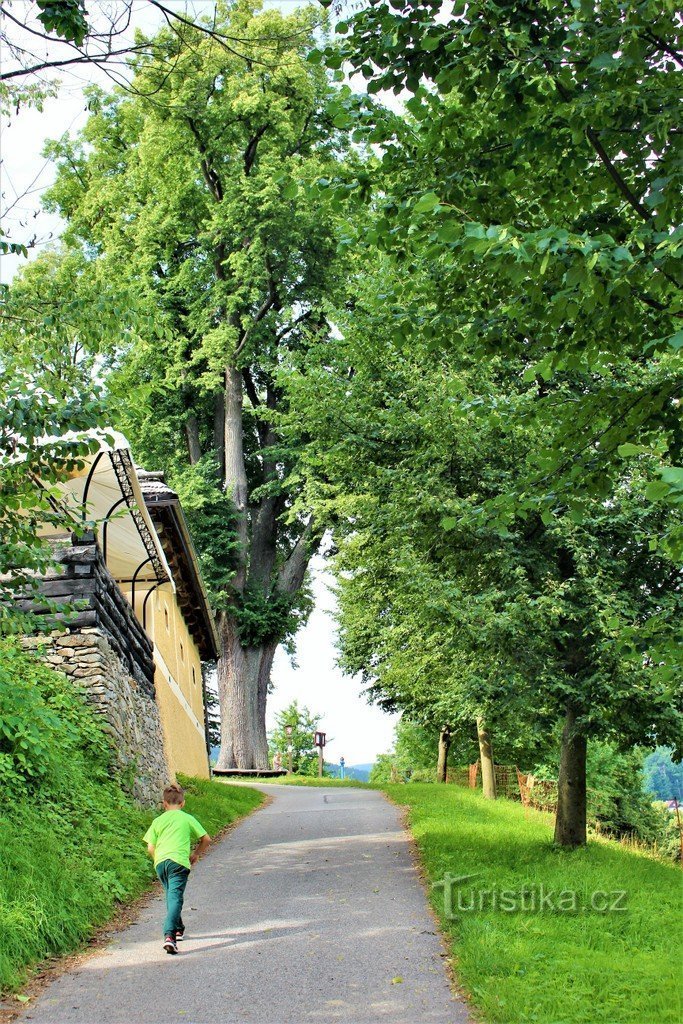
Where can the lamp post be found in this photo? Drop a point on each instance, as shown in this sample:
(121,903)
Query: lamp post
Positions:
(342,764)
(289,729)
(320,740)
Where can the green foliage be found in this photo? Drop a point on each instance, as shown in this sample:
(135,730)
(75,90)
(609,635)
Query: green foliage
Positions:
(44,425)
(312,781)
(187,199)
(304,725)
(65,18)
(380,773)
(662,776)
(212,519)
(537,176)
(616,799)
(45,727)
(548,966)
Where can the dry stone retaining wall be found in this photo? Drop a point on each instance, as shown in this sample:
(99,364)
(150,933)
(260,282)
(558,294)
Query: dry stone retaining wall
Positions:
(130,713)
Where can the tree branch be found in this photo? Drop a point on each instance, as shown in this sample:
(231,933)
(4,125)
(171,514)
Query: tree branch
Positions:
(295,323)
(291,575)
(252,146)
(210,176)
(626,192)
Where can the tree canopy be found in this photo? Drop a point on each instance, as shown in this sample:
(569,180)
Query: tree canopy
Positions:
(448,334)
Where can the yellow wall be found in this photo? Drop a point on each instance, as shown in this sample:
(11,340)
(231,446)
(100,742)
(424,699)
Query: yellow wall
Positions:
(178,681)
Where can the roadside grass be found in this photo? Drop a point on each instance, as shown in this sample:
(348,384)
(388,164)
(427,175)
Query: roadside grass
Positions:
(309,780)
(217,804)
(66,866)
(548,967)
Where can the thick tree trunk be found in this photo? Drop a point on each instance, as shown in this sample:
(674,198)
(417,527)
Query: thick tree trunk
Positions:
(244,672)
(243,679)
(570,821)
(266,655)
(237,689)
(442,762)
(235,471)
(488,774)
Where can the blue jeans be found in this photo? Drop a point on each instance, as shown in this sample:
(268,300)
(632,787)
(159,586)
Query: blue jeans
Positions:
(174,878)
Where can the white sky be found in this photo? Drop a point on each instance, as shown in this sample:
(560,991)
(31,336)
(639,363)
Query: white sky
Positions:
(356,730)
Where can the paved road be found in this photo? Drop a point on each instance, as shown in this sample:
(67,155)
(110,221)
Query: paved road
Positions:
(304,914)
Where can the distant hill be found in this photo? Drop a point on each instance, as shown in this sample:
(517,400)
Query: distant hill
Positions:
(361,772)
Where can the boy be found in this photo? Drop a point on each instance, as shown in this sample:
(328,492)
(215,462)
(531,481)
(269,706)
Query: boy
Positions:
(169,839)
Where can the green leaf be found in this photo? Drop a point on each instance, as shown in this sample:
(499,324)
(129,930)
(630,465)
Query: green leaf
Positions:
(628,449)
(426,203)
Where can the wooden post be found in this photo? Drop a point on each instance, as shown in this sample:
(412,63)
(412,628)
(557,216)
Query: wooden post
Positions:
(320,762)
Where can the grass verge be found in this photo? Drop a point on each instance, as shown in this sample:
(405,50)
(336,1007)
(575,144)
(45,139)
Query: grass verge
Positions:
(65,869)
(310,780)
(576,965)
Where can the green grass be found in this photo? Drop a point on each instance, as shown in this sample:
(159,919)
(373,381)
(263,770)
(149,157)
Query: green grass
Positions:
(309,780)
(65,867)
(578,967)
(217,804)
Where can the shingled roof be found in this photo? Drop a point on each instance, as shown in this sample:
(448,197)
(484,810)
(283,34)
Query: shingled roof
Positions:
(163,505)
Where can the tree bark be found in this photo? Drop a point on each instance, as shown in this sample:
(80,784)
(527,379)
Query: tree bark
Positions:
(194,448)
(219,431)
(266,656)
(237,748)
(570,821)
(488,774)
(442,762)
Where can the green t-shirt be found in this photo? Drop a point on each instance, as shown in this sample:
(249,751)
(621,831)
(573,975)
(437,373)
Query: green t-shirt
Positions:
(172,835)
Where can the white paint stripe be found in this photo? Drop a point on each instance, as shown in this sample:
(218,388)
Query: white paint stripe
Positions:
(177,692)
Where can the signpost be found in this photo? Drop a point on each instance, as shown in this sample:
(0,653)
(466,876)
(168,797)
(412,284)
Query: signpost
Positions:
(320,740)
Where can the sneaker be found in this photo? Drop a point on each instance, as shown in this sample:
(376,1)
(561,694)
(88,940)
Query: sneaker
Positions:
(170,944)
(179,936)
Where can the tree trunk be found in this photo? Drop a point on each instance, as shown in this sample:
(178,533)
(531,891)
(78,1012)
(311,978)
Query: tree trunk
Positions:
(219,431)
(266,655)
(570,821)
(235,471)
(244,672)
(488,774)
(194,448)
(442,762)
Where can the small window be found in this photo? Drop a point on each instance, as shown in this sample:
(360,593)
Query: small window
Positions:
(194,678)
(166,623)
(182,653)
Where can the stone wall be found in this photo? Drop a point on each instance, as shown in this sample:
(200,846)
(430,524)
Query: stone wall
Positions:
(130,713)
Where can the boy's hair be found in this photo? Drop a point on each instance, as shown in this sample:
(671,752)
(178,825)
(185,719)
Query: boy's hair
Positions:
(174,795)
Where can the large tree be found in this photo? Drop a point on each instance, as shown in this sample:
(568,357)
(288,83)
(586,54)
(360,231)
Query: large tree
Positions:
(451,612)
(192,191)
(539,164)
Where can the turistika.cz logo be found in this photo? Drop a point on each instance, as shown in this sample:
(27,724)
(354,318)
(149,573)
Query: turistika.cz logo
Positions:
(462,897)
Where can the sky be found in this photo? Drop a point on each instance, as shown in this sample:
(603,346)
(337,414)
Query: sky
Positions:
(356,730)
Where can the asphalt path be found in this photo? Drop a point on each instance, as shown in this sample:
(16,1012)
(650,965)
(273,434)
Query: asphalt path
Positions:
(311,911)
